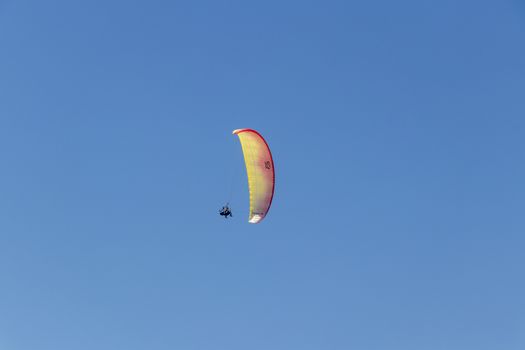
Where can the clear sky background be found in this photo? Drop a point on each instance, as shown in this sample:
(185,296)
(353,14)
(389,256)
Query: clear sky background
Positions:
(398,134)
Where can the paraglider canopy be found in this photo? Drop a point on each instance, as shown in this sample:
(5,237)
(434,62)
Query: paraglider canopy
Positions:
(261,174)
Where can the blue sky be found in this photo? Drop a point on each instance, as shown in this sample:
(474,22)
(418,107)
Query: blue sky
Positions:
(397,130)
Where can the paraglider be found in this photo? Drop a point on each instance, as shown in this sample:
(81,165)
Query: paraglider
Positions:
(261,174)
(226,211)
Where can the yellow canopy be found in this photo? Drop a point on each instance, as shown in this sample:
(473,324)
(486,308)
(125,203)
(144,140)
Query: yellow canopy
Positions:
(261,174)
